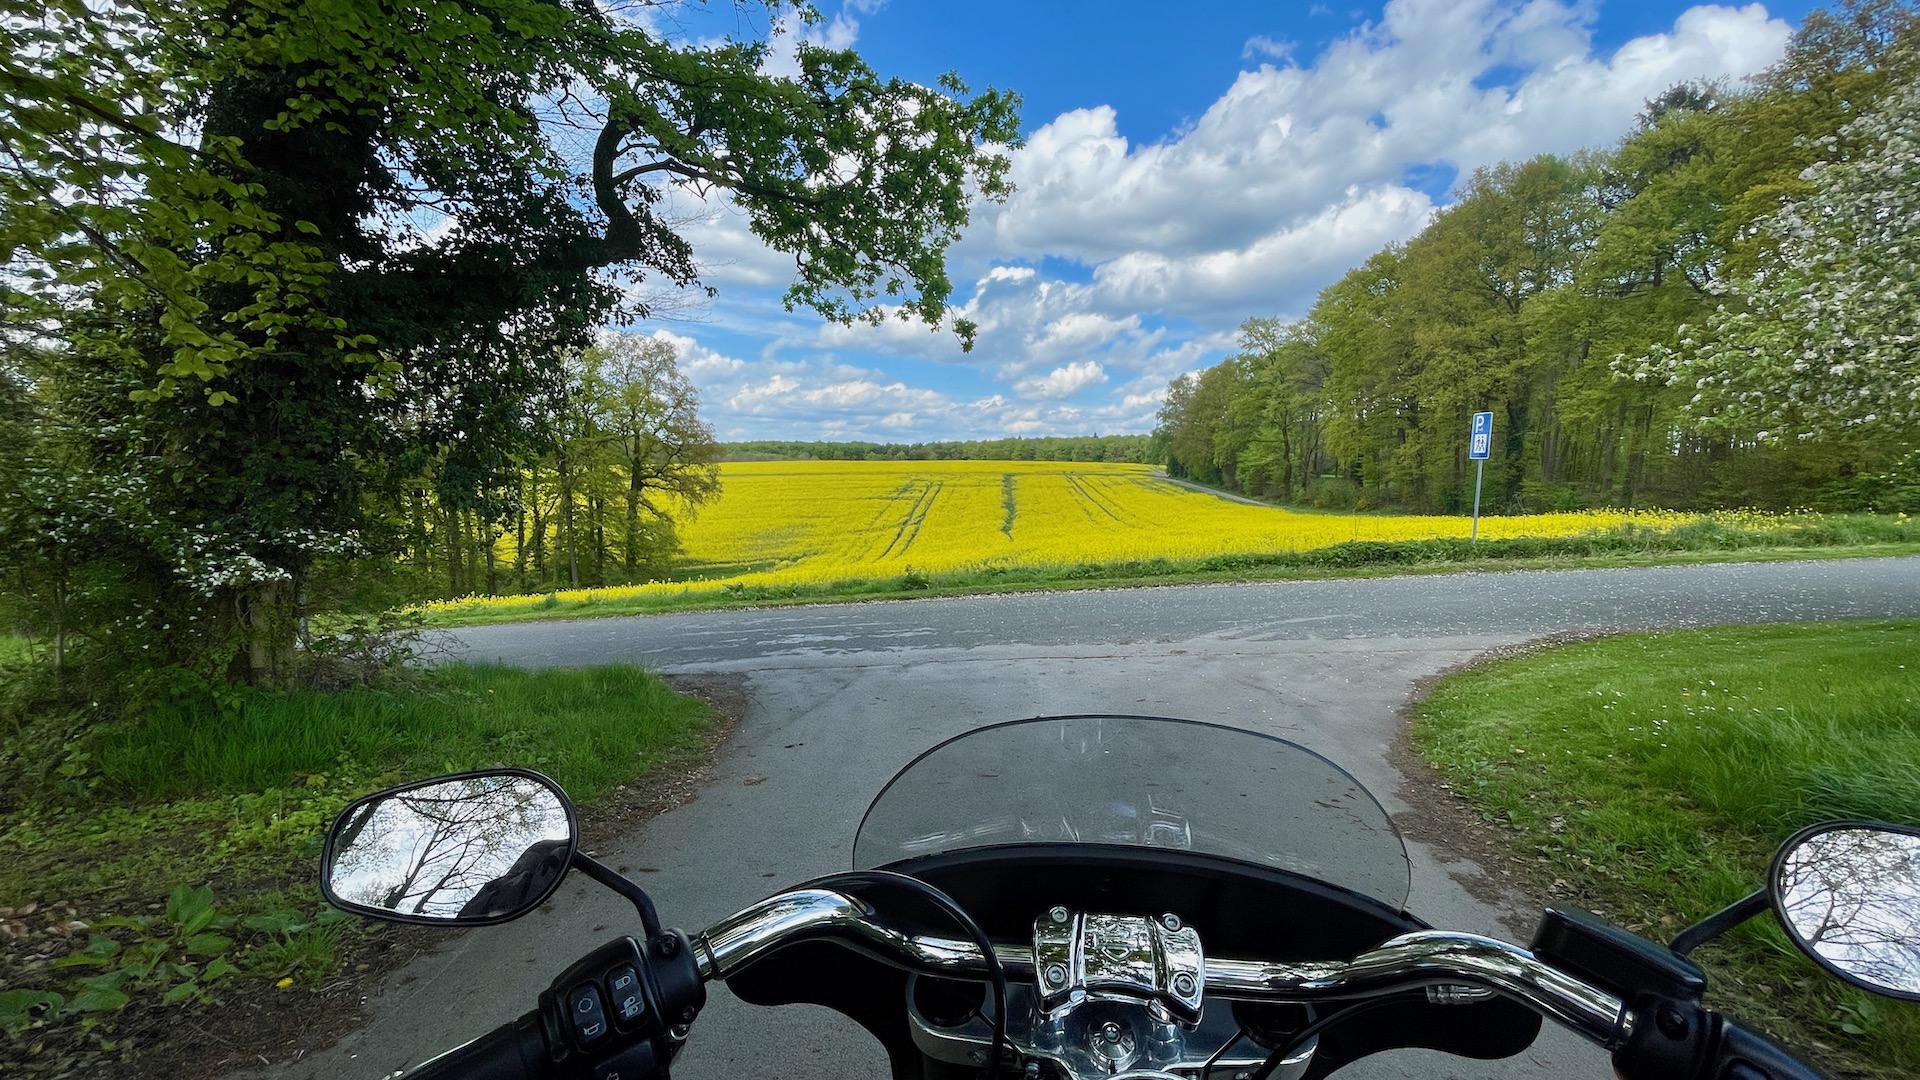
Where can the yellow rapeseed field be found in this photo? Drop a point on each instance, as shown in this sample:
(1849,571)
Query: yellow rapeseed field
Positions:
(799,523)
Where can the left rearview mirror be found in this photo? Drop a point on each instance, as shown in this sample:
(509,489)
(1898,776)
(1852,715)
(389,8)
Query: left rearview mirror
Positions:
(1848,894)
(468,850)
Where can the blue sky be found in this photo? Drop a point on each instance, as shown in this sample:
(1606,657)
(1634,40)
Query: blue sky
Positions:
(1186,167)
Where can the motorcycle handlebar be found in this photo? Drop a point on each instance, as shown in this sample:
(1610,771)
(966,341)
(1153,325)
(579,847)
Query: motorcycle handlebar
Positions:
(1424,959)
(1411,961)
(1744,1055)
(516,1050)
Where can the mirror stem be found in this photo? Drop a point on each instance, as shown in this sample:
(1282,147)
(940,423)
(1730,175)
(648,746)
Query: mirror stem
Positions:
(608,876)
(1720,922)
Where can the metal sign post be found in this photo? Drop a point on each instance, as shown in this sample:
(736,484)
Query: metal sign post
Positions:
(1478,448)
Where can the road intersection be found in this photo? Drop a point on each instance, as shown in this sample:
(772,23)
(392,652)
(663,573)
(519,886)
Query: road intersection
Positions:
(840,696)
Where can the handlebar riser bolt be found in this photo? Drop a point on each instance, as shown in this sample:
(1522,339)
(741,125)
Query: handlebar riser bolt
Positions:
(1171,922)
(1183,983)
(1056,974)
(1058,914)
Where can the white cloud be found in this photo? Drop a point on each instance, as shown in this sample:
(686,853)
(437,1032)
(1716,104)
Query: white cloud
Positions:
(1271,48)
(839,32)
(1299,170)
(1285,141)
(1063,382)
(697,361)
(1280,271)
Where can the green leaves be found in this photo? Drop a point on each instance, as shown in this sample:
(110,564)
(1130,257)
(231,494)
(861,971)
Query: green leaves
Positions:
(101,950)
(190,908)
(207,945)
(16,1006)
(178,956)
(97,999)
(106,195)
(217,222)
(1821,341)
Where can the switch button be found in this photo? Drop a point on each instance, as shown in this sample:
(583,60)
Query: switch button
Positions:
(589,1015)
(623,986)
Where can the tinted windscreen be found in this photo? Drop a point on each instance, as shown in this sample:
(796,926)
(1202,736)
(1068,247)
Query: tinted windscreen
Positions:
(1145,782)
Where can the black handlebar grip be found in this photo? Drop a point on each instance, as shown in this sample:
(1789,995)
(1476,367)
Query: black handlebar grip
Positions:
(515,1050)
(1744,1055)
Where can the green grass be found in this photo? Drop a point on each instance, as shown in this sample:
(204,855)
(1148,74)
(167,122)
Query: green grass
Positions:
(1822,536)
(181,794)
(1651,775)
(237,796)
(588,728)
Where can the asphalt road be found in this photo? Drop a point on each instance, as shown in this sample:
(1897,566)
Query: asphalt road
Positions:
(841,696)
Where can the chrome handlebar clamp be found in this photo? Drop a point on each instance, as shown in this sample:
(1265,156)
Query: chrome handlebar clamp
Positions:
(1083,956)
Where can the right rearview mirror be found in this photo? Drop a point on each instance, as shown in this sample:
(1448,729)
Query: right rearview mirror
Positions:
(1848,894)
(469,850)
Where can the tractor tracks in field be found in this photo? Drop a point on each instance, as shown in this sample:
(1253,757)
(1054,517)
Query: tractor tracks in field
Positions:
(916,516)
(1084,488)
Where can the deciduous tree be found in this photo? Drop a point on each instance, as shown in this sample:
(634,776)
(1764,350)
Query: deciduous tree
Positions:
(305,247)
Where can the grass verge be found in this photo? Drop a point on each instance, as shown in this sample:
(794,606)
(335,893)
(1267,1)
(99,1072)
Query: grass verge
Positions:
(1709,540)
(164,865)
(1650,776)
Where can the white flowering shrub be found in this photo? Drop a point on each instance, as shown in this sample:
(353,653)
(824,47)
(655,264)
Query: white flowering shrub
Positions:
(1824,340)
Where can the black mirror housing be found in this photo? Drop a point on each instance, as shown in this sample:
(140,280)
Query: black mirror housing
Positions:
(473,849)
(1848,895)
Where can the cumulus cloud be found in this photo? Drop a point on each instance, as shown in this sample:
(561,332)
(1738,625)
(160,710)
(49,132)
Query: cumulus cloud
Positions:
(1063,382)
(1280,271)
(1286,141)
(1118,264)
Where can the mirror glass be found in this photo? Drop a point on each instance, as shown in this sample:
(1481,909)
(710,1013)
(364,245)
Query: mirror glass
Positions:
(470,849)
(1850,897)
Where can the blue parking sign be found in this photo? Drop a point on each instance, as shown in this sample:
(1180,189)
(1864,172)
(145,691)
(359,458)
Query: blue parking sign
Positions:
(1482,445)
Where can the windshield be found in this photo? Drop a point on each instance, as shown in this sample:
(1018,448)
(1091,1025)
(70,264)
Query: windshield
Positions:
(1143,782)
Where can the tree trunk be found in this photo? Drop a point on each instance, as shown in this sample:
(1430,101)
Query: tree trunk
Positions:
(269,619)
(566,520)
(60,630)
(633,528)
(470,531)
(452,519)
(598,508)
(539,526)
(520,545)
(422,539)
(493,579)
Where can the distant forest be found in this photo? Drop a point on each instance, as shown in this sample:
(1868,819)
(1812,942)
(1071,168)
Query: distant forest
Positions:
(1557,294)
(1136,449)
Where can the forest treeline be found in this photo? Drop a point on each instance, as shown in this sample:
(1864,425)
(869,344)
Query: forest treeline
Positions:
(1546,294)
(1132,449)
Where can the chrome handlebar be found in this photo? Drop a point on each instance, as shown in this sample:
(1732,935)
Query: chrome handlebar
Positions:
(1422,959)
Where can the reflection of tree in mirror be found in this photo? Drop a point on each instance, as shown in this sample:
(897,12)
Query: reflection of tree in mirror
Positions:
(434,850)
(1853,897)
